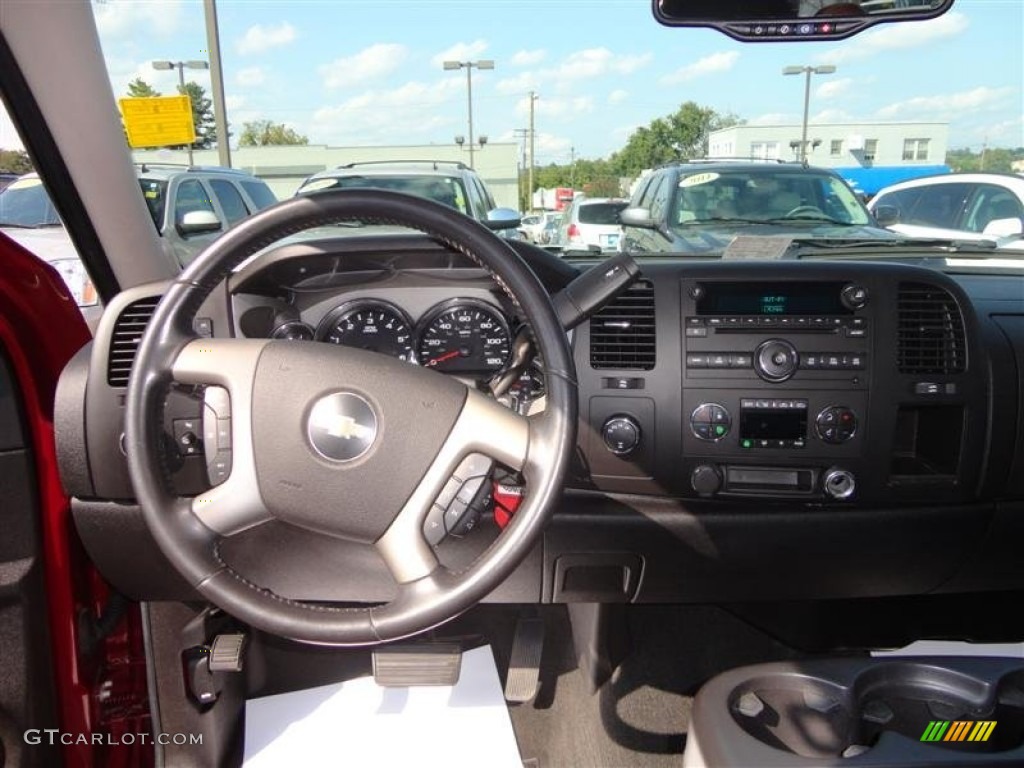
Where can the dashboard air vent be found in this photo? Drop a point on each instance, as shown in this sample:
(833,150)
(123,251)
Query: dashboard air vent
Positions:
(930,338)
(125,340)
(622,333)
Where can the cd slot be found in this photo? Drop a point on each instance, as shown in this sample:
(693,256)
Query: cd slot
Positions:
(795,480)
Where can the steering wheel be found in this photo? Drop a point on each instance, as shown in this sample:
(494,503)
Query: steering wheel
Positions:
(802,209)
(344,442)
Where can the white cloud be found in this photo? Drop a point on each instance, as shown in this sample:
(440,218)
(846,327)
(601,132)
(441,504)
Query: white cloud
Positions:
(830,89)
(117,19)
(827,116)
(259,38)
(594,62)
(399,115)
(250,76)
(774,118)
(460,52)
(376,61)
(234,101)
(618,96)
(892,37)
(579,65)
(948,105)
(556,108)
(528,58)
(712,64)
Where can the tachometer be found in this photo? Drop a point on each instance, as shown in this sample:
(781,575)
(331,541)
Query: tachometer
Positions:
(372,325)
(464,336)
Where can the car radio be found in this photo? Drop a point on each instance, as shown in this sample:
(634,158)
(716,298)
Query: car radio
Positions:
(776,332)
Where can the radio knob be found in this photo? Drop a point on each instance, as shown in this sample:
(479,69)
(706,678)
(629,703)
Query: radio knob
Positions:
(854,296)
(776,360)
(621,435)
(706,479)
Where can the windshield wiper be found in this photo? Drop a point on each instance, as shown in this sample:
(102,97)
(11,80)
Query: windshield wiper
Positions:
(15,225)
(729,220)
(980,249)
(809,217)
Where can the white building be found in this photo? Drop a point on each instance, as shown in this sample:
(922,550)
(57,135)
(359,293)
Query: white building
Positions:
(285,168)
(837,145)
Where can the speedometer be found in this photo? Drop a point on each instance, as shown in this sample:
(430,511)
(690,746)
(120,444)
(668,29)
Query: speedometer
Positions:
(464,336)
(372,325)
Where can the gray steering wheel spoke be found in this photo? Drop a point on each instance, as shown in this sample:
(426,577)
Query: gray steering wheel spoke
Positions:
(235,504)
(484,426)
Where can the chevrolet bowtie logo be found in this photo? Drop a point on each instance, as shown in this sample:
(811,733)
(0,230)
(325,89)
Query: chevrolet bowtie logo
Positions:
(342,426)
(345,427)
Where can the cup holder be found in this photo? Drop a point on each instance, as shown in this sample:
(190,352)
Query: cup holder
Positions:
(932,705)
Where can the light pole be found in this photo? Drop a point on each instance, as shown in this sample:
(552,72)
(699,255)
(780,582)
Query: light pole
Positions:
(824,69)
(469,66)
(181,66)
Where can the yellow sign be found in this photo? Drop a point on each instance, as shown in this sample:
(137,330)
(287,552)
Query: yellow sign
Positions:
(159,121)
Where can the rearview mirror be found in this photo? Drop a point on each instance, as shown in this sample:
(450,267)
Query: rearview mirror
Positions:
(793,19)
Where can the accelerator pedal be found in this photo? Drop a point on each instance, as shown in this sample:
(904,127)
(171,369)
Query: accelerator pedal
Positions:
(405,665)
(523,679)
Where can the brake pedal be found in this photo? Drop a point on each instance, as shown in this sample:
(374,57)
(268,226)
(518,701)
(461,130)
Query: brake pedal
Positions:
(523,679)
(415,664)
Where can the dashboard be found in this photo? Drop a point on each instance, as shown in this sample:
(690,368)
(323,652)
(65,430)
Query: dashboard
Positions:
(747,430)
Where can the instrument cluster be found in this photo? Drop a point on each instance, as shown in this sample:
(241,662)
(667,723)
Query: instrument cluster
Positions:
(461,336)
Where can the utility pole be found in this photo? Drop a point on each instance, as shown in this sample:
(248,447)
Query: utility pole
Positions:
(521,134)
(572,167)
(533,155)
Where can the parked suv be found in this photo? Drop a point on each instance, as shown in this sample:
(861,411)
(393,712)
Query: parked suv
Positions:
(191,207)
(699,207)
(591,222)
(450,183)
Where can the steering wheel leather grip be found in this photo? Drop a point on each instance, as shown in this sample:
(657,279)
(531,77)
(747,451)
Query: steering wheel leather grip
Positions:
(380,496)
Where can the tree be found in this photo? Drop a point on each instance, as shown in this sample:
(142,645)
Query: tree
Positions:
(679,136)
(14,161)
(202,115)
(265,133)
(139,88)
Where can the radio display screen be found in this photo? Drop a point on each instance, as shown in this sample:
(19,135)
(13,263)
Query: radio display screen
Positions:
(770,424)
(771,299)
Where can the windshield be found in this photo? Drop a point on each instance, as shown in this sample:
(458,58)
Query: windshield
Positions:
(765,196)
(541,114)
(25,203)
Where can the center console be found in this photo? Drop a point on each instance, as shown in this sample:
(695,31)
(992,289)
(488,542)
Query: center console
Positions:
(817,383)
(776,385)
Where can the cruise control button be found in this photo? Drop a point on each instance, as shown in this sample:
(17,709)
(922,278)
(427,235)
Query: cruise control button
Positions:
(469,490)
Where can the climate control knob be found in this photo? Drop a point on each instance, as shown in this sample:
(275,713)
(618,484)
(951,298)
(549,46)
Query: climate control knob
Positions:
(710,421)
(706,479)
(836,424)
(621,435)
(776,360)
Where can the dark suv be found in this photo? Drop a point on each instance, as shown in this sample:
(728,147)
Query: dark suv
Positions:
(699,207)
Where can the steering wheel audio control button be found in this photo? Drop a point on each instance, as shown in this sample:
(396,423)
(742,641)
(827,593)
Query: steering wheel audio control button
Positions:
(219,469)
(433,529)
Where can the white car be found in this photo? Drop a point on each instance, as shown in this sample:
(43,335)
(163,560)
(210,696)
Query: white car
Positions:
(592,222)
(960,206)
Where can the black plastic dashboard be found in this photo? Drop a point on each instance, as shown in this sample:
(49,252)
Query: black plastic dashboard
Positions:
(748,430)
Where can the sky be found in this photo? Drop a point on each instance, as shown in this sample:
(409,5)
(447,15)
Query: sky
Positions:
(356,72)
